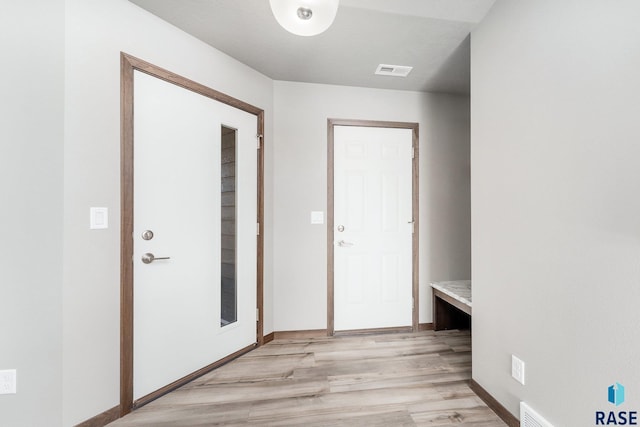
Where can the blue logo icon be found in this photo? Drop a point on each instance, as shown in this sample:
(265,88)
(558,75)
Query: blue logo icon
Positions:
(616,394)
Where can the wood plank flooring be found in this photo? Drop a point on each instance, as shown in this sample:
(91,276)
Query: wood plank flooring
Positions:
(409,379)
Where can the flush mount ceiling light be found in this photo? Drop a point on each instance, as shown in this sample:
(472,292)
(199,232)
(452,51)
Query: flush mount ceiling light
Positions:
(304,17)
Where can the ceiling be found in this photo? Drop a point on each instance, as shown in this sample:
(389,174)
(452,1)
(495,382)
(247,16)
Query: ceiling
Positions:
(432,36)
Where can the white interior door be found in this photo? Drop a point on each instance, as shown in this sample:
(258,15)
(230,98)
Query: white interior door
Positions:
(373,227)
(178,184)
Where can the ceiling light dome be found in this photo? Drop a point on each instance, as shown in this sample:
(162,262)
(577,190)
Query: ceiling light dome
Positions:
(305,17)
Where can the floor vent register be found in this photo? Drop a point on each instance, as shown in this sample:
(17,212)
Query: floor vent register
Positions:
(530,418)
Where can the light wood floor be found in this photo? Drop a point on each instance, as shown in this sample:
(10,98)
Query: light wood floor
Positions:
(376,380)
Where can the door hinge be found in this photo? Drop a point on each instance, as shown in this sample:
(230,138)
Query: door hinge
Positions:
(257,314)
(413,152)
(259,137)
(413,226)
(257,228)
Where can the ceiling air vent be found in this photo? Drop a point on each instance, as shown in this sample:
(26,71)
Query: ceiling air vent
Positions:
(393,70)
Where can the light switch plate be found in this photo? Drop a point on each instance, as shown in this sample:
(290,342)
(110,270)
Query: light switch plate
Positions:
(98,218)
(8,381)
(317,217)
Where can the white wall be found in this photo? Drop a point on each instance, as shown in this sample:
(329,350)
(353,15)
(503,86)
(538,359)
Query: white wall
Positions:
(555,99)
(300,176)
(96,33)
(31,152)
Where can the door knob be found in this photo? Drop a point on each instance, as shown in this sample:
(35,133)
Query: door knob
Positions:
(344,244)
(148,258)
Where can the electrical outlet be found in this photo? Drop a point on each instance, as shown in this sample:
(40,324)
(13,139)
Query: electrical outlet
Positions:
(8,381)
(517,369)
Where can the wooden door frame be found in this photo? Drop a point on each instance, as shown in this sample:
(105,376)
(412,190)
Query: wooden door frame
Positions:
(128,64)
(331,123)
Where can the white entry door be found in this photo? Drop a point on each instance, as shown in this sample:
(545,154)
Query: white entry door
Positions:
(195,204)
(373,227)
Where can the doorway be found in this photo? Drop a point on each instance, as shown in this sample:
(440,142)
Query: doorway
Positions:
(372,226)
(191,262)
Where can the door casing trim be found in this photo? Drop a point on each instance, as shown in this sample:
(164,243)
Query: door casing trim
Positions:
(128,64)
(330,211)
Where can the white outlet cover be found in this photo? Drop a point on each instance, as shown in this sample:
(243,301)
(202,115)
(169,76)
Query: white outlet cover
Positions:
(517,369)
(8,381)
(98,218)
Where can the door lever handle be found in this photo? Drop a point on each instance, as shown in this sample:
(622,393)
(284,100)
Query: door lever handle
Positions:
(148,258)
(344,244)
